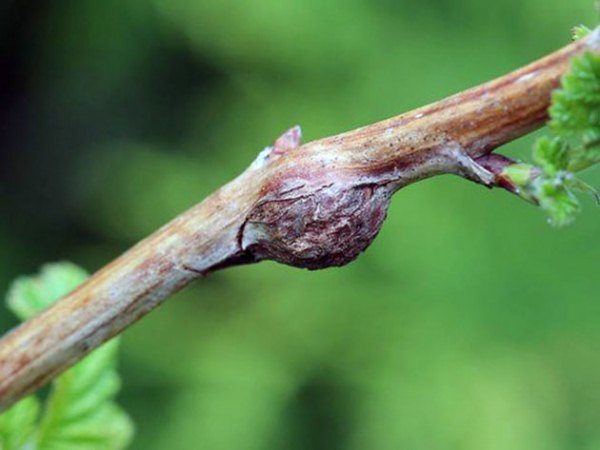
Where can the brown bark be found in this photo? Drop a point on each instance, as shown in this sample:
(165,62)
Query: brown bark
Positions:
(311,206)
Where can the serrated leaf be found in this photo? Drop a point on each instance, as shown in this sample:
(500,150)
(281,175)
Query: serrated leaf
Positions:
(558,202)
(574,146)
(28,296)
(551,155)
(17,424)
(79,412)
(115,432)
(575,112)
(580,31)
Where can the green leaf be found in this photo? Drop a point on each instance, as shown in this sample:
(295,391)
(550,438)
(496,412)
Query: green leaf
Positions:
(551,155)
(580,31)
(519,174)
(575,112)
(80,412)
(17,424)
(574,145)
(558,201)
(30,295)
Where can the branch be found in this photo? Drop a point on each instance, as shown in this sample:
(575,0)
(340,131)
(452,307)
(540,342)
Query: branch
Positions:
(311,206)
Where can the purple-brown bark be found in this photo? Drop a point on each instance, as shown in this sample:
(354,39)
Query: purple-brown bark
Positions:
(311,206)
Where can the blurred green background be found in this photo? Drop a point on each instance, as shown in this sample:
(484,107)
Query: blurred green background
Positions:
(468,324)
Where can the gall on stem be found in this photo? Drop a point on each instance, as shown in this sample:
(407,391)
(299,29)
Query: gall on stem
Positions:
(311,206)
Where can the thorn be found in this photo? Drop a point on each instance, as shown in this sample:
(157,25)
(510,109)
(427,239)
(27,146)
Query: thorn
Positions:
(290,140)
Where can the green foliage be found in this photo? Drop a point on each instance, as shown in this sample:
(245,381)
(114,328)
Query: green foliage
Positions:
(465,326)
(17,425)
(30,295)
(580,31)
(574,146)
(79,412)
(551,155)
(575,113)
